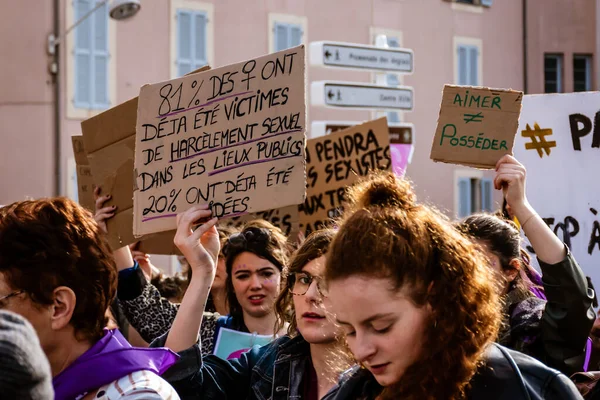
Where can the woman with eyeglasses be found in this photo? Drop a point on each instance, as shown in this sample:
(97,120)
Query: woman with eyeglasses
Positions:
(304,364)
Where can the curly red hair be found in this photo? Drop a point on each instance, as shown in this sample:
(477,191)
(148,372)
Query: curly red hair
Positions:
(384,233)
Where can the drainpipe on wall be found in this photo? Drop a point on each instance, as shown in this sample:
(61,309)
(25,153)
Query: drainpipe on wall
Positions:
(525,75)
(56,78)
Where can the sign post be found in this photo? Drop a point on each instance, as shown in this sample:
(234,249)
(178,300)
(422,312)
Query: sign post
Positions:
(361,96)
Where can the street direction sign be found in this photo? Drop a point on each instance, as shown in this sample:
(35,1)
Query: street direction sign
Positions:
(361,57)
(400,132)
(361,96)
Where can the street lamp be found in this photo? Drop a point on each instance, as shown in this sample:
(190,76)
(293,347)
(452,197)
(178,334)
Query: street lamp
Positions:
(119,10)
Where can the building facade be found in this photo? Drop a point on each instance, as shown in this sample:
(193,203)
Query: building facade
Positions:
(103,62)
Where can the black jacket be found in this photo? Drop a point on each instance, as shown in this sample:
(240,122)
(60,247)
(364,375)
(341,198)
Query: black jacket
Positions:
(506,375)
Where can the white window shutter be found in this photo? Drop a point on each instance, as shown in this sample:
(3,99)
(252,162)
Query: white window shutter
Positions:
(486,195)
(473,65)
(200,58)
(295,35)
(100,59)
(281,32)
(83,55)
(464,197)
(463,65)
(184,42)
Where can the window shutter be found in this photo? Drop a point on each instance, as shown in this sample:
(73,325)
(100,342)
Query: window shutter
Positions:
(200,58)
(281,36)
(184,42)
(473,65)
(462,65)
(464,197)
(101,59)
(295,35)
(486,194)
(487,3)
(83,55)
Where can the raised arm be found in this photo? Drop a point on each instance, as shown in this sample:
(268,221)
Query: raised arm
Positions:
(510,177)
(201,249)
(568,315)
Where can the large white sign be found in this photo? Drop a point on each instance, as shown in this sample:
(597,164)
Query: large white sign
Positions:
(559,143)
(361,96)
(359,56)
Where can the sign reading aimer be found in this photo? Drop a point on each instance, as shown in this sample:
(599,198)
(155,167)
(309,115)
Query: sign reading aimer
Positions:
(232,138)
(476,126)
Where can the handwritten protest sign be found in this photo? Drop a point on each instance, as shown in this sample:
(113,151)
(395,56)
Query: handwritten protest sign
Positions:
(336,161)
(559,143)
(231,344)
(85,182)
(232,138)
(476,126)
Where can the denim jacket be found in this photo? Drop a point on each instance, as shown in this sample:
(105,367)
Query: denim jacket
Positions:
(274,371)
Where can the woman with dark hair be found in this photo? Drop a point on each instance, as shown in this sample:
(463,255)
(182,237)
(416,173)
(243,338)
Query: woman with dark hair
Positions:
(419,307)
(304,364)
(553,331)
(254,263)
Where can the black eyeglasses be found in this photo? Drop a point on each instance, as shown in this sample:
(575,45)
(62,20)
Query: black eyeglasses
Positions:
(8,296)
(300,283)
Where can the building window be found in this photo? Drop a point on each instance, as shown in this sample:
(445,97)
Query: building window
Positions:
(287,35)
(191,41)
(582,73)
(191,36)
(474,195)
(91,57)
(468,65)
(553,72)
(286,31)
(466,1)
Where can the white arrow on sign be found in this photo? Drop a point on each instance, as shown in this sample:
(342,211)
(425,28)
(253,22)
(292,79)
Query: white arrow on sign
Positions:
(360,96)
(360,56)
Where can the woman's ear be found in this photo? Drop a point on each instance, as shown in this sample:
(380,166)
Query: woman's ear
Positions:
(511,274)
(63,307)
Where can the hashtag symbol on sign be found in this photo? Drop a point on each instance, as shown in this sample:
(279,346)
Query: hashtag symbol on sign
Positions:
(538,139)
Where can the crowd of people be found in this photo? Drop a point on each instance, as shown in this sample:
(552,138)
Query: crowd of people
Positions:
(394,301)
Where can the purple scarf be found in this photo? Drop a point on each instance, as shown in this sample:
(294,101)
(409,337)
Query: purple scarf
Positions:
(111,358)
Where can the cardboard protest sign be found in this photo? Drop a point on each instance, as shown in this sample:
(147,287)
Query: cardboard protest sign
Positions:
(559,143)
(335,162)
(476,126)
(231,344)
(232,138)
(287,219)
(85,182)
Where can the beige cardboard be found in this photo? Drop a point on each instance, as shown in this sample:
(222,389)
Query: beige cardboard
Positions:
(476,126)
(109,139)
(232,138)
(335,162)
(85,182)
(287,219)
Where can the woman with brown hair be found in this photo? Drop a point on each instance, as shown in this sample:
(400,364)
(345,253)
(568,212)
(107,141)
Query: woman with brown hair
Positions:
(298,365)
(419,308)
(553,331)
